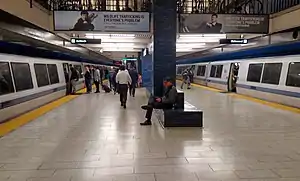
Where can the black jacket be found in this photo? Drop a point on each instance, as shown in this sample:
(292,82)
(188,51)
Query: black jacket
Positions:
(82,25)
(134,76)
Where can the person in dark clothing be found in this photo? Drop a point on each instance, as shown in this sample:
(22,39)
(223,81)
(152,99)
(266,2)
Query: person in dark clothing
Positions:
(73,79)
(67,79)
(165,102)
(213,26)
(101,75)
(134,77)
(113,81)
(88,80)
(84,23)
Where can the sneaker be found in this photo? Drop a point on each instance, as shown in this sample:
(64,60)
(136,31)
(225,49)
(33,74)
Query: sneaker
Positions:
(124,106)
(146,123)
(144,107)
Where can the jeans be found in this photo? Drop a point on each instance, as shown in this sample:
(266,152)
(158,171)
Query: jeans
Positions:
(186,81)
(88,84)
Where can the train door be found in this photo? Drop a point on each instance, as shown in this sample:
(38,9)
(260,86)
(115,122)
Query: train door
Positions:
(207,72)
(233,76)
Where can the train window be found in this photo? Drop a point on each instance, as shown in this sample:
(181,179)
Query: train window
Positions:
(22,76)
(79,69)
(293,77)
(213,71)
(41,74)
(254,72)
(219,71)
(216,71)
(52,69)
(6,85)
(201,70)
(271,74)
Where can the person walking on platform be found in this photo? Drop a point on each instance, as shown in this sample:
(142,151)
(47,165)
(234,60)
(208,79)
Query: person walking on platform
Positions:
(123,80)
(88,80)
(186,79)
(134,77)
(97,79)
(165,102)
(74,78)
(113,79)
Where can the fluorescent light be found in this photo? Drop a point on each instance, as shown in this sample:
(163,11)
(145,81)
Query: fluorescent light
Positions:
(91,35)
(116,49)
(198,40)
(203,35)
(118,44)
(189,45)
(184,50)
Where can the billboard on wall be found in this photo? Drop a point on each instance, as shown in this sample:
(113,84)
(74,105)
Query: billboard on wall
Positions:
(223,23)
(101,21)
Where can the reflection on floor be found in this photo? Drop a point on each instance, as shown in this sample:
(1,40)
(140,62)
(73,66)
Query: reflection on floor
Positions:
(93,138)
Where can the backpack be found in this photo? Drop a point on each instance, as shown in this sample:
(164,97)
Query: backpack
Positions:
(106,88)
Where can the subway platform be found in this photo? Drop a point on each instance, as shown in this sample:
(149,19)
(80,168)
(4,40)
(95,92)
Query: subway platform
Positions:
(92,138)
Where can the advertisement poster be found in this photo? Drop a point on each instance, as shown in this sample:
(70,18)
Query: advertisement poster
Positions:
(101,21)
(223,23)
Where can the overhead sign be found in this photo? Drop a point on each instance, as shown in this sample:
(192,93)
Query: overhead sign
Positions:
(85,41)
(129,59)
(223,23)
(101,21)
(233,41)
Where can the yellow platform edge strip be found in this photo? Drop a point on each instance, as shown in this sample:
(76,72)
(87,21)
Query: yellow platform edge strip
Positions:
(264,102)
(25,118)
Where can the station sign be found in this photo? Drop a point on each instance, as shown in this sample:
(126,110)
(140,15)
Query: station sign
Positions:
(85,41)
(234,41)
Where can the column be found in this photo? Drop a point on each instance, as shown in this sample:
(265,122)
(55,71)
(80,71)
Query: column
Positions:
(164,43)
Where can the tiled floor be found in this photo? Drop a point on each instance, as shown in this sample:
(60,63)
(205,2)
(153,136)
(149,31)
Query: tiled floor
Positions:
(91,138)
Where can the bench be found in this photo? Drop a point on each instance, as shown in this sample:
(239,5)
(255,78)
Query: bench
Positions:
(182,115)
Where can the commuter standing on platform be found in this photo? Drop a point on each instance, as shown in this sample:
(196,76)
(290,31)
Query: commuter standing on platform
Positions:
(101,75)
(134,77)
(123,80)
(67,79)
(74,78)
(88,79)
(114,83)
(97,79)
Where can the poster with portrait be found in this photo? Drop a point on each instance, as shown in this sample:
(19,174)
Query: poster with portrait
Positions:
(101,21)
(223,23)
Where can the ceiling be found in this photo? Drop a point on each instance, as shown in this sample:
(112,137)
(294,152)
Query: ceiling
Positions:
(131,43)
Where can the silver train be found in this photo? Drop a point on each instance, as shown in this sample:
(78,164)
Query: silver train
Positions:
(275,79)
(27,83)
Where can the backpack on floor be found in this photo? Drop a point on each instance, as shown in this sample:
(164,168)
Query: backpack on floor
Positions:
(106,88)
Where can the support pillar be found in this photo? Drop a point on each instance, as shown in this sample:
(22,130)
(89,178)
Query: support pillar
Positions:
(164,43)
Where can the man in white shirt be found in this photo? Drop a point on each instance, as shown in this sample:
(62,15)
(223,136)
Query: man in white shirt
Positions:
(123,79)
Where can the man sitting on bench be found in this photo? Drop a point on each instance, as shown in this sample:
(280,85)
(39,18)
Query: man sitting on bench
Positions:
(165,102)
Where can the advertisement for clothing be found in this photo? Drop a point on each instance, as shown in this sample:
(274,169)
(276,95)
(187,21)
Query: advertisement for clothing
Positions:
(223,23)
(101,21)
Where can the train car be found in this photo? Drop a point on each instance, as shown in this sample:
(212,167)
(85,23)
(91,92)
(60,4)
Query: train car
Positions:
(30,82)
(275,79)
(272,78)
